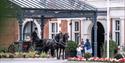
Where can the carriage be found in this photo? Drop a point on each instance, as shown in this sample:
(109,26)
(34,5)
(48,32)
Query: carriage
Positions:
(56,45)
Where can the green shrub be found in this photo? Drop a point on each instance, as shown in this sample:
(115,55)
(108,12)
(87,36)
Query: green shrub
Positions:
(6,55)
(87,55)
(31,54)
(43,55)
(71,46)
(118,56)
(112,47)
(71,49)
(3,49)
(3,55)
(18,55)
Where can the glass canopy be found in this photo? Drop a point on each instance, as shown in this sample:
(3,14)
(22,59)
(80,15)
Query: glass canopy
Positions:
(54,4)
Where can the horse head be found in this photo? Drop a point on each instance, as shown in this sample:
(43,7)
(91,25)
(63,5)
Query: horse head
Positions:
(65,37)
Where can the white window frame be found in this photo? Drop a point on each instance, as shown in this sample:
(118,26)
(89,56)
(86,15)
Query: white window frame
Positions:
(117,31)
(73,29)
(50,28)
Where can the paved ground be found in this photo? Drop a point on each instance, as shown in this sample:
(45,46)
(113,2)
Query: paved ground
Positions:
(40,60)
(32,60)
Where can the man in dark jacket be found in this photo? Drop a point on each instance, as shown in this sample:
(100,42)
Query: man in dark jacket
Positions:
(58,36)
(87,44)
(34,35)
(35,38)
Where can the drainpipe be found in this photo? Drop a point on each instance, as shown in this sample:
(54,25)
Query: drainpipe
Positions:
(70,30)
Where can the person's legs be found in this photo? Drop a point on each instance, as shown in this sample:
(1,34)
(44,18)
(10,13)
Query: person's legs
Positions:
(82,52)
(79,54)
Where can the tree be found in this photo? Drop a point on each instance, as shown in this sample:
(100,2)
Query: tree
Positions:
(7,9)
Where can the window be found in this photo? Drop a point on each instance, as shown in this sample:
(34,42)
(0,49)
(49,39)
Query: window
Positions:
(77,37)
(54,29)
(117,37)
(76,26)
(117,31)
(76,30)
(117,25)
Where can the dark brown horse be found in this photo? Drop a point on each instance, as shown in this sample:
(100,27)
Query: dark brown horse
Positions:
(61,45)
(58,44)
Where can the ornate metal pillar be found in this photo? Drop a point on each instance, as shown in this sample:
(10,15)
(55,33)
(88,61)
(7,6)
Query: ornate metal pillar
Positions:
(42,26)
(95,33)
(20,21)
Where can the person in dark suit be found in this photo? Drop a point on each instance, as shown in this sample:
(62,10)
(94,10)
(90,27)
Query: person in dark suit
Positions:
(35,38)
(82,44)
(58,36)
(87,46)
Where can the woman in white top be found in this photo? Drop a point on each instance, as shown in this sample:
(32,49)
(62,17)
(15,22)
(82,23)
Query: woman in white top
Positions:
(79,53)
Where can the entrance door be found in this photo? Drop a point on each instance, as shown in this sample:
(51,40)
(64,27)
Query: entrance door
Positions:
(100,39)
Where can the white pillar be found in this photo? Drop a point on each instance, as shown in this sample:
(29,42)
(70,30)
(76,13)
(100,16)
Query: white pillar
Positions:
(122,32)
(108,27)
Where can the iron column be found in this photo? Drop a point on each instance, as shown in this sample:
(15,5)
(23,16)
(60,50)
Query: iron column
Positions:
(95,33)
(20,21)
(42,26)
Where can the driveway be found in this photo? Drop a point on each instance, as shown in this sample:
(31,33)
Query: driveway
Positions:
(31,60)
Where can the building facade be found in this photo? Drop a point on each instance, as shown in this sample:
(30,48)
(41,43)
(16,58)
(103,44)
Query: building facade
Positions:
(82,27)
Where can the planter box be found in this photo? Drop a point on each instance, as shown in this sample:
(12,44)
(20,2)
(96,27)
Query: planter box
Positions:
(70,54)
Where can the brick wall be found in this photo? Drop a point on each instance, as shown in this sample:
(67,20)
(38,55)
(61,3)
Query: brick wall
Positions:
(8,32)
(46,29)
(64,27)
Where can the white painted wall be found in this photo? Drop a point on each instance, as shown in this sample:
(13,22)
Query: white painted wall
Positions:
(86,29)
(117,12)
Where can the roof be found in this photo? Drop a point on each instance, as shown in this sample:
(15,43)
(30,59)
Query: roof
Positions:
(53,4)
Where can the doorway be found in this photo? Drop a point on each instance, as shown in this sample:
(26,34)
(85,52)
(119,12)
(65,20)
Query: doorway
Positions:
(100,39)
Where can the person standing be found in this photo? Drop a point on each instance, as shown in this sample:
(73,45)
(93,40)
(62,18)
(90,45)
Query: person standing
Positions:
(87,47)
(79,49)
(82,45)
(35,39)
(58,37)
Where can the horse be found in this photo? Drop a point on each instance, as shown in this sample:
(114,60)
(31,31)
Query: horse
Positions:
(57,44)
(44,45)
(61,45)
(48,44)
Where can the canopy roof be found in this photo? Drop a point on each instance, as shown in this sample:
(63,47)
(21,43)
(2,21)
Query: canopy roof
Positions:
(54,4)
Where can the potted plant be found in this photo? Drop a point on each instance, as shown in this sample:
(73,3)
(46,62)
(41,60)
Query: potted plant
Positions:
(71,49)
(87,55)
